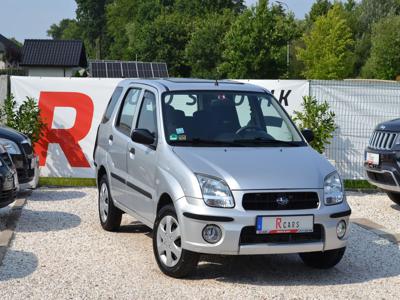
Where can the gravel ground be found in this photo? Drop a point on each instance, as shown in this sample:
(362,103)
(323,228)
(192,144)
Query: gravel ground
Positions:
(61,252)
(4,214)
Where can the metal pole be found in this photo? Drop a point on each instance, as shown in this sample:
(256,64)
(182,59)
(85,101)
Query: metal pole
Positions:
(288,43)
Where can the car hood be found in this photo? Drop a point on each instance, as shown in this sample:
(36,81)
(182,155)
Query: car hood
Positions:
(392,125)
(259,167)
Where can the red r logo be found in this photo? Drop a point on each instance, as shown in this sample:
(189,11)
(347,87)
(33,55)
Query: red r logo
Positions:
(67,138)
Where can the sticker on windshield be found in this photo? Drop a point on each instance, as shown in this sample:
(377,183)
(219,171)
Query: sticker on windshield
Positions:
(182,137)
(180,131)
(173,137)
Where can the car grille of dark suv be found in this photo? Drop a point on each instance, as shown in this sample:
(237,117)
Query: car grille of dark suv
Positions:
(269,201)
(382,140)
(27,148)
(7,195)
(384,178)
(249,236)
(6,158)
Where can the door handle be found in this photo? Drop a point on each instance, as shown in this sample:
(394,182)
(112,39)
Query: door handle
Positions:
(110,139)
(132,153)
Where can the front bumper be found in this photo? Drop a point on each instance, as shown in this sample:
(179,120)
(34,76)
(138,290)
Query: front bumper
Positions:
(194,215)
(387,174)
(25,165)
(8,188)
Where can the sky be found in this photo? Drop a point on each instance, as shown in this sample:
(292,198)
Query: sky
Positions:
(30,19)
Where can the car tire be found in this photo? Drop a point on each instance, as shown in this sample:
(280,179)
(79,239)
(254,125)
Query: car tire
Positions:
(324,259)
(110,216)
(395,197)
(171,258)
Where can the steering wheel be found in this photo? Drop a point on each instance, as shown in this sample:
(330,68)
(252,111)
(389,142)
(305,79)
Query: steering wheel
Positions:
(249,128)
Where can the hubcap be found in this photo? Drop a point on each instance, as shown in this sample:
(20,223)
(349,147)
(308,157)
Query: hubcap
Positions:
(169,241)
(103,202)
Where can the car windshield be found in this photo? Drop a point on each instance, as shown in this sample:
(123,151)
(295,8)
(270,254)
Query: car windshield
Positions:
(230,118)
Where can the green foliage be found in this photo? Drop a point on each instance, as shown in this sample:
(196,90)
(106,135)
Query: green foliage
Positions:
(328,52)
(318,9)
(256,44)
(25,118)
(384,62)
(317,117)
(204,50)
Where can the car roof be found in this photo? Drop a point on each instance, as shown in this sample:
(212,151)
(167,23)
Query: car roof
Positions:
(182,84)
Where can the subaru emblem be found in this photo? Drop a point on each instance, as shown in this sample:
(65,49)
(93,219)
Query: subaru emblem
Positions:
(382,127)
(282,200)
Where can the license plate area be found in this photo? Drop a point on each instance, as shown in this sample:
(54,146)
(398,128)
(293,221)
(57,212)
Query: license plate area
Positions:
(372,159)
(284,224)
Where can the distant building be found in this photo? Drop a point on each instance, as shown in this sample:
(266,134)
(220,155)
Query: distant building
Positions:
(53,58)
(10,54)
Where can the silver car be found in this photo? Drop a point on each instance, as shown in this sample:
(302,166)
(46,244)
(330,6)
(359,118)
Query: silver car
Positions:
(216,167)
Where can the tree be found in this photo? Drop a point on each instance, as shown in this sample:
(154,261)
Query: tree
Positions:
(328,47)
(164,39)
(318,9)
(317,117)
(256,44)
(204,50)
(384,62)
(91,16)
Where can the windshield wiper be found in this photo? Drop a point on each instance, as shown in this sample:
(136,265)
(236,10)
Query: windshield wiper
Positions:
(199,141)
(264,141)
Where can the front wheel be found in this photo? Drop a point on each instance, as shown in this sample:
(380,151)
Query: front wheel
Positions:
(324,259)
(171,258)
(395,197)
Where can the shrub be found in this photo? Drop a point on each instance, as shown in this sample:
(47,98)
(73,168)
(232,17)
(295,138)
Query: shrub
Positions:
(25,118)
(317,117)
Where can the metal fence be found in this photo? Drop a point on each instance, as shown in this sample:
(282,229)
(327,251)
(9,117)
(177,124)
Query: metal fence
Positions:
(359,106)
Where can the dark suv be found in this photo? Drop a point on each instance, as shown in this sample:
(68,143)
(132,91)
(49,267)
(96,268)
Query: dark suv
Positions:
(382,158)
(20,149)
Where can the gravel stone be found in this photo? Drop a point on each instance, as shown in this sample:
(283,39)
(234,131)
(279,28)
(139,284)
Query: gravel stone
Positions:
(61,252)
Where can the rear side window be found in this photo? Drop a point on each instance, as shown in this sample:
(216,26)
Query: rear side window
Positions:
(127,111)
(111,104)
(147,117)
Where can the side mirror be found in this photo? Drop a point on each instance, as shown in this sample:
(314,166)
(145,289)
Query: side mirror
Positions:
(308,135)
(142,136)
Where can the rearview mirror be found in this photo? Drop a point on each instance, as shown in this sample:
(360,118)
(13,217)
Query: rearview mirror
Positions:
(142,136)
(308,135)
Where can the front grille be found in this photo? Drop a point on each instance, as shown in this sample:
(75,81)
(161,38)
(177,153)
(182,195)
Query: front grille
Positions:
(27,148)
(384,178)
(7,195)
(382,140)
(268,201)
(7,159)
(248,236)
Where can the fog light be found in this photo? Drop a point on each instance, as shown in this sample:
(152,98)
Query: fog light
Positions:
(341,229)
(212,234)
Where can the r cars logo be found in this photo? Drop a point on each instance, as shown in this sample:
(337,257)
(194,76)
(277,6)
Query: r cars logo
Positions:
(282,200)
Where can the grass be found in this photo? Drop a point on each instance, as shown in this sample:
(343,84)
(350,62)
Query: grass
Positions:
(358,184)
(62,181)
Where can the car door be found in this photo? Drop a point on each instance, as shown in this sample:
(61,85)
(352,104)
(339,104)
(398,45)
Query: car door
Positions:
(142,160)
(118,141)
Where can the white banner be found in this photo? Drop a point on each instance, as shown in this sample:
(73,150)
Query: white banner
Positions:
(289,93)
(73,107)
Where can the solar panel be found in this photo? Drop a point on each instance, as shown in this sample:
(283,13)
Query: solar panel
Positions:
(127,69)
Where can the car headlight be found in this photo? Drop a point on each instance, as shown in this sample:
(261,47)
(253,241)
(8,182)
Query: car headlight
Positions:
(333,189)
(11,147)
(216,192)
